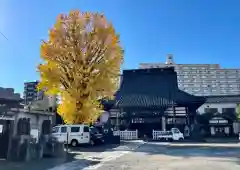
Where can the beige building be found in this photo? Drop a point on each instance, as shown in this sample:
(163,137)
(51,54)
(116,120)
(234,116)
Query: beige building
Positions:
(202,79)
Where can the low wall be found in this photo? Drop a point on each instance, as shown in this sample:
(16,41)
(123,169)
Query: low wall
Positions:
(23,149)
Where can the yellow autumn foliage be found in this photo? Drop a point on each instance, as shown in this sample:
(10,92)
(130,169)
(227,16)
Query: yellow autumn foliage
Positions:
(82,61)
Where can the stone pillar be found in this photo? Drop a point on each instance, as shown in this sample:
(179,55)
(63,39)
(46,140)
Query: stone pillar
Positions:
(163,123)
(212,130)
(226,130)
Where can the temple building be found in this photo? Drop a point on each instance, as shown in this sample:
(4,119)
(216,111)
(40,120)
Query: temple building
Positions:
(150,99)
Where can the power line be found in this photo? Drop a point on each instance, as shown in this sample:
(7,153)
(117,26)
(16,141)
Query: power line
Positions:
(4,36)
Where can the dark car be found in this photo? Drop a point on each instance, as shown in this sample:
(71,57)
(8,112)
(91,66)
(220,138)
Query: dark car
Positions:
(95,136)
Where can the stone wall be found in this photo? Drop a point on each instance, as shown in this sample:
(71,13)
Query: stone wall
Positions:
(36,119)
(23,149)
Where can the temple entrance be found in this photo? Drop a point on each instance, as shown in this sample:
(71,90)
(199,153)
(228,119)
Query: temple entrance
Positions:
(5,129)
(219,131)
(145,126)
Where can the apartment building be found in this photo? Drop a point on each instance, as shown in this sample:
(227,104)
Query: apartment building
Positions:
(8,93)
(202,79)
(31,93)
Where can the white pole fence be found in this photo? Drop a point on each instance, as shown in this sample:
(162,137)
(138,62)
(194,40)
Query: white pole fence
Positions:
(126,135)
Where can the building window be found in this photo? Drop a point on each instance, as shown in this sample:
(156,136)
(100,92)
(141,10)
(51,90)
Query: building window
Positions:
(210,110)
(228,110)
(138,120)
(23,126)
(177,120)
(231,76)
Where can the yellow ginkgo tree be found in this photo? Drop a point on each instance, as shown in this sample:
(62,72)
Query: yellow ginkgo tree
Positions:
(82,60)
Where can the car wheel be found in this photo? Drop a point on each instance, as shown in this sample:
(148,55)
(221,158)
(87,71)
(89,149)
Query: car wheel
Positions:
(74,143)
(92,142)
(181,139)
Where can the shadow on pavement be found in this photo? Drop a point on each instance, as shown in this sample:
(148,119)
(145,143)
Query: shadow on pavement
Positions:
(74,155)
(45,163)
(96,148)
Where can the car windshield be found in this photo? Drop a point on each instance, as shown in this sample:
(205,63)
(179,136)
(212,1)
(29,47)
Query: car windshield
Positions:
(55,129)
(94,130)
(175,131)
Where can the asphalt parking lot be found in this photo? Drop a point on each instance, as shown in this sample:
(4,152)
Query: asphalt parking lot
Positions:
(142,155)
(174,156)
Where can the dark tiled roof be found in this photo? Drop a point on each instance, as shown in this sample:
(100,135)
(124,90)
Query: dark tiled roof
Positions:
(136,100)
(4,100)
(107,104)
(183,98)
(223,99)
(156,87)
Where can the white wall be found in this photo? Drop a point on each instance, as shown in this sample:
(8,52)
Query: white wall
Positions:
(36,120)
(52,100)
(217,105)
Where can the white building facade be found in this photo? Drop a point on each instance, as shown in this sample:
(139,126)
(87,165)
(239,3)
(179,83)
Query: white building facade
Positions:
(221,108)
(202,79)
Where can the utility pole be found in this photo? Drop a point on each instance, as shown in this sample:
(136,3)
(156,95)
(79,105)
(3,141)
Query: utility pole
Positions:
(117,121)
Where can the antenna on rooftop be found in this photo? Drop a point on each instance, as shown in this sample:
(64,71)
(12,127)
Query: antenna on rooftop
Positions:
(169,59)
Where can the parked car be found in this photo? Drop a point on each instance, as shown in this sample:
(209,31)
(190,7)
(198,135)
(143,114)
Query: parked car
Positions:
(95,136)
(72,134)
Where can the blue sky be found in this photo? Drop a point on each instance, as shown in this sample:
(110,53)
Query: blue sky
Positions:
(195,31)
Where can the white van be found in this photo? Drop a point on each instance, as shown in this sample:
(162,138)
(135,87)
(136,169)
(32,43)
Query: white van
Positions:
(75,134)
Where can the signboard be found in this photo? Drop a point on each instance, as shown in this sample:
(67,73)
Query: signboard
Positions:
(218,121)
(1,128)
